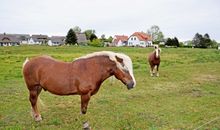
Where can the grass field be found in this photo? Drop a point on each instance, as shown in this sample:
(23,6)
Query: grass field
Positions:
(185,96)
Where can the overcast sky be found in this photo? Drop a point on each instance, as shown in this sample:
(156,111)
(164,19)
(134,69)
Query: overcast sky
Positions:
(180,18)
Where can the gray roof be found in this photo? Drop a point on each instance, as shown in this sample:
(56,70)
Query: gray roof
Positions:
(40,38)
(9,38)
(58,39)
(19,37)
(81,37)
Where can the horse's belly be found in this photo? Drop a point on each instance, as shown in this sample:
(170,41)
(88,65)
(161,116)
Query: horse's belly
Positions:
(59,87)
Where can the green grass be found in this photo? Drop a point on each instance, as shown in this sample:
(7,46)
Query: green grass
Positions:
(185,96)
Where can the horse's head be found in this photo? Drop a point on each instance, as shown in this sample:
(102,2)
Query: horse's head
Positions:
(121,66)
(157,51)
(124,70)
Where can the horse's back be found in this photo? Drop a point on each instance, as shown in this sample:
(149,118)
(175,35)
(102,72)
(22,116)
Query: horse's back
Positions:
(40,67)
(37,62)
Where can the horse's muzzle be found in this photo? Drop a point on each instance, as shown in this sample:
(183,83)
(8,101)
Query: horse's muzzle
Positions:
(130,85)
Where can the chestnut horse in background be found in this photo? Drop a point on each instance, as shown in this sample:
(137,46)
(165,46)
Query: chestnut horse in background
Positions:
(154,61)
(83,76)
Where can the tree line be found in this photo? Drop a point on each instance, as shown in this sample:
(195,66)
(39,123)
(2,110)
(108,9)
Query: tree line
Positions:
(93,40)
(199,41)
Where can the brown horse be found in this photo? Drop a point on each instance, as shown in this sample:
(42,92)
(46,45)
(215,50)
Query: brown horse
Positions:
(83,76)
(154,61)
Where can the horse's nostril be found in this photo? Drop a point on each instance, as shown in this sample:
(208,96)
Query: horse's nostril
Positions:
(130,85)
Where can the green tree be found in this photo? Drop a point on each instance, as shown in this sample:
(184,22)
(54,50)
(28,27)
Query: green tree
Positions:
(176,42)
(197,40)
(172,42)
(110,38)
(168,42)
(92,37)
(103,37)
(200,41)
(156,34)
(77,29)
(71,37)
(207,40)
(214,44)
(88,33)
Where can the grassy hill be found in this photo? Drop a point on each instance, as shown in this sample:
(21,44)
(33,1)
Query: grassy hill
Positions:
(185,96)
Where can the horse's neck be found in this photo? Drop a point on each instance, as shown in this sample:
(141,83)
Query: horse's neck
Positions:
(103,67)
(107,69)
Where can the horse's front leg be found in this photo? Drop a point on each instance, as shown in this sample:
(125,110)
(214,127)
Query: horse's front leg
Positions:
(84,102)
(157,74)
(152,70)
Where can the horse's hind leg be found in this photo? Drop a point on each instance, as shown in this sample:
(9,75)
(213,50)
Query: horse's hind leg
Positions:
(34,93)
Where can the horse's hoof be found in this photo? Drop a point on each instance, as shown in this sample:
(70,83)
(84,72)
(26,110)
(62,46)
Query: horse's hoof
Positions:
(38,118)
(86,126)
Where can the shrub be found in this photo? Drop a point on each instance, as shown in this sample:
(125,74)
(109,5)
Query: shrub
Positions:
(96,43)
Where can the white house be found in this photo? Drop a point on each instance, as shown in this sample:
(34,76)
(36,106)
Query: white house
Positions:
(38,39)
(9,40)
(23,38)
(56,40)
(140,39)
(14,39)
(120,40)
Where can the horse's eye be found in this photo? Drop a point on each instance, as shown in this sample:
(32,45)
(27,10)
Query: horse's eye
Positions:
(123,65)
(125,68)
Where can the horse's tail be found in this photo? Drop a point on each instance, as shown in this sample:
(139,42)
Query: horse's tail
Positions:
(40,104)
(25,62)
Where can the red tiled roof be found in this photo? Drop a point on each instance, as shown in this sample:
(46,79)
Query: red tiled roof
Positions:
(142,36)
(123,38)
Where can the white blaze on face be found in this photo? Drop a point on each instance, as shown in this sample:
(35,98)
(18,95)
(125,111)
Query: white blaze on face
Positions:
(157,52)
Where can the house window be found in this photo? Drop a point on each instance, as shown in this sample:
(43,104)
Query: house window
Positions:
(134,38)
(131,38)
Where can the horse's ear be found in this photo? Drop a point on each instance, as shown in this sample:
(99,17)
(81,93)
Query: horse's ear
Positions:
(119,59)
